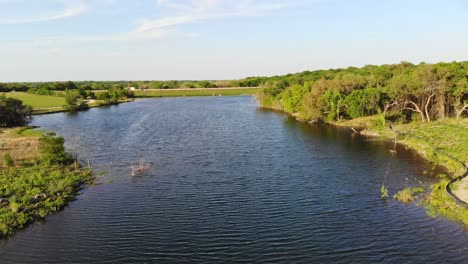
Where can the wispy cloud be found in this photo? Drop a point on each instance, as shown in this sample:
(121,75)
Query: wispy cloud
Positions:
(201,10)
(69,10)
(178,13)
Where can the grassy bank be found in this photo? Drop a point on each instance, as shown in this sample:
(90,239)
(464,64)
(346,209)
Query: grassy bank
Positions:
(196,92)
(46,104)
(37,177)
(38,101)
(443,142)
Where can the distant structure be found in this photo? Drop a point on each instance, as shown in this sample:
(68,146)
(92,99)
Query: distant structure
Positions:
(131,88)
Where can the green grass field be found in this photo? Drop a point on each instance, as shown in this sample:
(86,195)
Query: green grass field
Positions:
(196,92)
(38,101)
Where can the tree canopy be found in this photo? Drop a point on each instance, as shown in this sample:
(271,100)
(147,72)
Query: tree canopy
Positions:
(13,112)
(401,91)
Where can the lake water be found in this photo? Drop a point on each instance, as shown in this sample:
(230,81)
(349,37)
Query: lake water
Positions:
(231,183)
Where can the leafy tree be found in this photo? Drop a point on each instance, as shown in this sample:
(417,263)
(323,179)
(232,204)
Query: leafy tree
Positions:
(363,102)
(71,99)
(292,98)
(333,101)
(53,150)
(13,112)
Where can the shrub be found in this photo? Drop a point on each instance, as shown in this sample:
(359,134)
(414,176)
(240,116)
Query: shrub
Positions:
(7,160)
(53,151)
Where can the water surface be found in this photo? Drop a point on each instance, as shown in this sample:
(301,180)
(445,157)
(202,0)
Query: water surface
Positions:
(232,183)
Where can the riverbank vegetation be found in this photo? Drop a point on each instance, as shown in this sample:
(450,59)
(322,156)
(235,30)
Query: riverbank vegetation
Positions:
(37,177)
(197,92)
(70,100)
(423,106)
(400,93)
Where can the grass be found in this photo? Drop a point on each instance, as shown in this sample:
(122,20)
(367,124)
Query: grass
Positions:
(31,186)
(22,144)
(407,195)
(32,192)
(29,132)
(442,142)
(439,203)
(196,92)
(38,101)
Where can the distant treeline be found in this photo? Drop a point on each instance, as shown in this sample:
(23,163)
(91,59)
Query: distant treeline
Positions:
(50,87)
(401,92)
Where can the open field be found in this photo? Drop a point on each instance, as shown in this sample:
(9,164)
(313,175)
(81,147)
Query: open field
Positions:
(196,92)
(38,101)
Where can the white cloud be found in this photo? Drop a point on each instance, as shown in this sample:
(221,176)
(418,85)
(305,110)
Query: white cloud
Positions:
(200,10)
(69,10)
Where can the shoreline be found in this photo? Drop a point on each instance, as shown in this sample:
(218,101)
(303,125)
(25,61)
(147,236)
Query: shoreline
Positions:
(58,178)
(441,199)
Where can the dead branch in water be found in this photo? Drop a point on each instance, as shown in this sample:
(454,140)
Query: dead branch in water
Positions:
(141,168)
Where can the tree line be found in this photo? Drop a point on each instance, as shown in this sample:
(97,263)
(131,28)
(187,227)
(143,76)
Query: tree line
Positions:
(49,88)
(399,92)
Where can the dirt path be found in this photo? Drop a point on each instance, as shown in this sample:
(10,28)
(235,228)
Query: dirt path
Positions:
(461,190)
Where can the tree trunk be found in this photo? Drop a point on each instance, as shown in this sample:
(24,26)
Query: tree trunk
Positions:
(415,109)
(459,113)
(426,107)
(387,107)
(441,103)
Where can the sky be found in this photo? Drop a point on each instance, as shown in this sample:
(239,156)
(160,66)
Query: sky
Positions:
(58,40)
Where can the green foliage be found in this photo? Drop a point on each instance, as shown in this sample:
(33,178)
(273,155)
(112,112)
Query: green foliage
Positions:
(7,160)
(408,195)
(436,140)
(71,99)
(292,98)
(53,151)
(423,92)
(383,192)
(13,112)
(363,102)
(34,192)
(30,192)
(440,203)
(195,92)
(333,101)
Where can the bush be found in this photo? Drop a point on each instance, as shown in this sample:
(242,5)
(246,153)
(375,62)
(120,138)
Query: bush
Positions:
(53,151)
(408,195)
(7,160)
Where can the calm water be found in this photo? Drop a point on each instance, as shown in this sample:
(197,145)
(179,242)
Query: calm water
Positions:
(232,183)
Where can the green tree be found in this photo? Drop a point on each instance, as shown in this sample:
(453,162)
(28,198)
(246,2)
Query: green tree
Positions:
(363,102)
(53,150)
(71,99)
(13,112)
(333,101)
(292,98)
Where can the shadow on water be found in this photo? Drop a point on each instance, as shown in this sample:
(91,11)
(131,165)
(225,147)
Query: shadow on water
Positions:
(347,140)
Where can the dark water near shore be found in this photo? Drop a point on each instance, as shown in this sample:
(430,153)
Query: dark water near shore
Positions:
(232,183)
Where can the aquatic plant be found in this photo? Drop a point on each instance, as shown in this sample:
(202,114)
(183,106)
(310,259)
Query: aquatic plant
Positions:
(384,192)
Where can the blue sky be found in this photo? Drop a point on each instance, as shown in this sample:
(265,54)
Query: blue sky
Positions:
(48,40)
